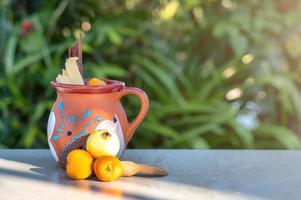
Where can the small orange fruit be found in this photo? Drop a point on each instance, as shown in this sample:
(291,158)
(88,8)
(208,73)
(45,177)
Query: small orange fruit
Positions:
(79,164)
(107,168)
(95,81)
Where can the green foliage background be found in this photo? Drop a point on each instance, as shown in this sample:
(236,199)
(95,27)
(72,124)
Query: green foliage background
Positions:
(219,74)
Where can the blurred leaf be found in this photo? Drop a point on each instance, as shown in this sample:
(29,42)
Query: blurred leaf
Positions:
(200,143)
(281,134)
(27,61)
(10,54)
(239,44)
(159,130)
(31,130)
(244,134)
(162,76)
(108,70)
(31,43)
(113,35)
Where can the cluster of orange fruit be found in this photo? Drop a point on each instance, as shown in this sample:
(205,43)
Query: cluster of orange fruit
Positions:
(81,164)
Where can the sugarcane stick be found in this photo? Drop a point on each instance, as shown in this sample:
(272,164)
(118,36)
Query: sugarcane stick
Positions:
(130,169)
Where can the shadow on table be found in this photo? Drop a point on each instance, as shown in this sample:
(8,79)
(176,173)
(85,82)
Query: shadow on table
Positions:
(50,172)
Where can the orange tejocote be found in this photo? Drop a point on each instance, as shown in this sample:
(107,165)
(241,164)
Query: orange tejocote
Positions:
(82,109)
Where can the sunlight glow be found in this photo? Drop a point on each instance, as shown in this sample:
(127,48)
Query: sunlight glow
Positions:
(169,10)
(77,33)
(198,12)
(246,59)
(130,4)
(66,32)
(229,5)
(250,81)
(86,26)
(233,94)
(229,72)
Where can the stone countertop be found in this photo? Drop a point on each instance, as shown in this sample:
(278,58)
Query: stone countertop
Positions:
(193,174)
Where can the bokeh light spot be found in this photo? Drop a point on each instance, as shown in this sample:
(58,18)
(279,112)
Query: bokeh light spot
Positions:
(169,10)
(86,26)
(229,72)
(246,59)
(66,32)
(235,93)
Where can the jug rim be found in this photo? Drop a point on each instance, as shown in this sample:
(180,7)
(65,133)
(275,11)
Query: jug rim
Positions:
(112,86)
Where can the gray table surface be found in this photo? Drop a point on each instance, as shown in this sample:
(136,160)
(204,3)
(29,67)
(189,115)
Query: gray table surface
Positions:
(193,174)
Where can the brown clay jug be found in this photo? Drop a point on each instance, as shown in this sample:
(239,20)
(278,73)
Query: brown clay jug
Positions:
(80,110)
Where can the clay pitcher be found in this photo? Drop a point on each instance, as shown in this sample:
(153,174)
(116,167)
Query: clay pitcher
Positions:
(80,110)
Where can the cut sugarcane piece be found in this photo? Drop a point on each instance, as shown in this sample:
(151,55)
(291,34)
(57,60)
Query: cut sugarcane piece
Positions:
(73,71)
(64,73)
(58,78)
(130,169)
(65,79)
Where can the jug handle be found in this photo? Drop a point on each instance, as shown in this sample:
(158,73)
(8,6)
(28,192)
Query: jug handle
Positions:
(143,109)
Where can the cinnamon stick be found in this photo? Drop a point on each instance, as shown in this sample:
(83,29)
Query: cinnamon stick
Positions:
(76,51)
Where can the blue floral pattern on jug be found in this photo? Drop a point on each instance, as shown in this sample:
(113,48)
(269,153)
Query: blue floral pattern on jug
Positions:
(67,124)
